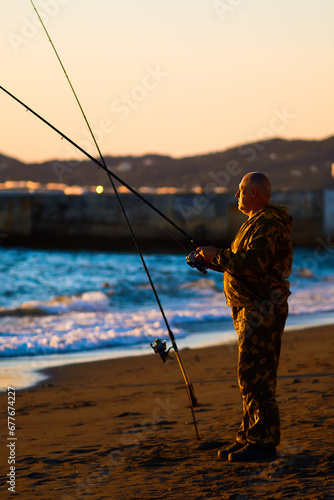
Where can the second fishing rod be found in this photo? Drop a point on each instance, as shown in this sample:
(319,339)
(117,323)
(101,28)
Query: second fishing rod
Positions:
(189,387)
(192,259)
(104,167)
(111,176)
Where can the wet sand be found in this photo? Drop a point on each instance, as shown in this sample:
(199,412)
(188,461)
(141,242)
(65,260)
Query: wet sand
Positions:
(122,428)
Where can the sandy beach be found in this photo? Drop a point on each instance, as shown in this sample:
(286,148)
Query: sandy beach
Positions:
(122,428)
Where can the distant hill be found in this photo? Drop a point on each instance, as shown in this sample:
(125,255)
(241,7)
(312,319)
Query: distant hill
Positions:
(290,164)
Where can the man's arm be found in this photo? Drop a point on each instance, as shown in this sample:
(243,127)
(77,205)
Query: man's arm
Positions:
(254,260)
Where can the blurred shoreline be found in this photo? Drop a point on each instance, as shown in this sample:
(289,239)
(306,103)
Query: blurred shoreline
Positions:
(26,371)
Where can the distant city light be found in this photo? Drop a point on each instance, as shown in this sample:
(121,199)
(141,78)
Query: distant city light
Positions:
(99,189)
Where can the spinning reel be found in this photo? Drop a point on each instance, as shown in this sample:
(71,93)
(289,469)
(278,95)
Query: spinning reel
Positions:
(160,347)
(196,260)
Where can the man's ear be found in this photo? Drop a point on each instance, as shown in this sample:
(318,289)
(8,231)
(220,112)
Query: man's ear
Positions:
(254,192)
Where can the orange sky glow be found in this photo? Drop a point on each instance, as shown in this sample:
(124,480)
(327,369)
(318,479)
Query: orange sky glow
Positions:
(179,78)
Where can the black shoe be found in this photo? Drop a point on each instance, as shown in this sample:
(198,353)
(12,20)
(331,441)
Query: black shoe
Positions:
(251,453)
(223,453)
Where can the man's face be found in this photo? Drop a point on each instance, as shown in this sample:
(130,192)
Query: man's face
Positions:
(245,196)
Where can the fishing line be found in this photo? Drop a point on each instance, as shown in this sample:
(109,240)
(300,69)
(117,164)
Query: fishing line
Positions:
(104,166)
(175,239)
(190,391)
(165,228)
(101,165)
(64,136)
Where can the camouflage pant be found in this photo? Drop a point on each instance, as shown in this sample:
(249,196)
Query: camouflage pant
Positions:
(259,344)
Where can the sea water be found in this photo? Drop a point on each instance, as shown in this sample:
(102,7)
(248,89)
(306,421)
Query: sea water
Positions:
(65,306)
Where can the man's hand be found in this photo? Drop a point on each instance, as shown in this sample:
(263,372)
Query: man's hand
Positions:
(206,252)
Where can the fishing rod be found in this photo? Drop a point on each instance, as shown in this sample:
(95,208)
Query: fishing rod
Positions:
(193,258)
(189,387)
(103,166)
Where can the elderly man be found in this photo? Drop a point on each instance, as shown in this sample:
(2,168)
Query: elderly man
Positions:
(255,270)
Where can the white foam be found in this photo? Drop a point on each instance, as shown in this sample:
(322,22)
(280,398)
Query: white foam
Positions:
(315,299)
(89,301)
(91,321)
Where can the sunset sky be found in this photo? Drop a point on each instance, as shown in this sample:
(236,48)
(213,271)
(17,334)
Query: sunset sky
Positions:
(175,77)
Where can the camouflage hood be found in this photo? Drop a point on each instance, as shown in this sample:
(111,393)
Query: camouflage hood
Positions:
(280,213)
(259,259)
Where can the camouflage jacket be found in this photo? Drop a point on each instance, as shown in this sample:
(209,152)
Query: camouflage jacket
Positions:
(259,260)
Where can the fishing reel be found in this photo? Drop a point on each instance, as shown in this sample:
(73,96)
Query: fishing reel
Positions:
(194,259)
(160,347)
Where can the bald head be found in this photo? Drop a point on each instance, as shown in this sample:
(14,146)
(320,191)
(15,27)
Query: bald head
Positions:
(254,193)
(261,181)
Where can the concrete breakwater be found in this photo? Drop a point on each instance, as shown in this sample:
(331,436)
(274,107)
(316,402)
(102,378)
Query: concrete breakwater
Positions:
(52,219)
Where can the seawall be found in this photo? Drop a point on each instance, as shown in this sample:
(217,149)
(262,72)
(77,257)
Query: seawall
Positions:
(53,219)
